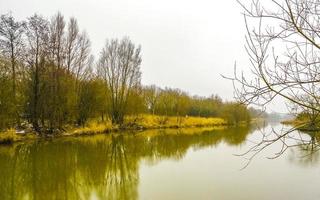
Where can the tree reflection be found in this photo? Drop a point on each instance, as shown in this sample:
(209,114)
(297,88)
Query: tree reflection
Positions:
(308,151)
(102,166)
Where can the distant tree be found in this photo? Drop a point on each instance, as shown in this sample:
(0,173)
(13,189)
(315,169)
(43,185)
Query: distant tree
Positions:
(119,66)
(166,102)
(234,113)
(205,106)
(151,95)
(136,102)
(182,104)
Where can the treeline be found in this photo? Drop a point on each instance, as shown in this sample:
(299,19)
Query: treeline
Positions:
(50,79)
(175,102)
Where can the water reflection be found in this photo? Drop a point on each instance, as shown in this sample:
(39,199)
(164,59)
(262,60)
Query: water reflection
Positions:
(307,153)
(99,167)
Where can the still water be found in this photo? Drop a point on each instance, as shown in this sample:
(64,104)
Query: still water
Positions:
(167,164)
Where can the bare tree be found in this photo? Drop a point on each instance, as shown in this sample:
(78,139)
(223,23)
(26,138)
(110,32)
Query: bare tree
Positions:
(151,95)
(283,44)
(83,57)
(78,48)
(72,37)
(57,39)
(119,66)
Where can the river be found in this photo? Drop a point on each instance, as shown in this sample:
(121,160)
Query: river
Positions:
(158,164)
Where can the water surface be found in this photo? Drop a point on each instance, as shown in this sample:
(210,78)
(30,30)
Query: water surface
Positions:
(156,164)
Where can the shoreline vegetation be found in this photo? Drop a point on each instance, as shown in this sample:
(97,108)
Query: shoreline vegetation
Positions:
(306,121)
(132,123)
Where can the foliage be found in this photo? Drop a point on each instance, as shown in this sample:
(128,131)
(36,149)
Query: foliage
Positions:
(234,113)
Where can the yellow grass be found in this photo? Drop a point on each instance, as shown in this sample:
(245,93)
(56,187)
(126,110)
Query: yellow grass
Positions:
(8,137)
(140,122)
(93,127)
(154,121)
(146,122)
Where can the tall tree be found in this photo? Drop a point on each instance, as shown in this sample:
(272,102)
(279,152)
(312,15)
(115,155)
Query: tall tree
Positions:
(37,31)
(57,47)
(11,32)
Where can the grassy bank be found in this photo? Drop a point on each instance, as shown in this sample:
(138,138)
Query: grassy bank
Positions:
(299,123)
(8,137)
(141,122)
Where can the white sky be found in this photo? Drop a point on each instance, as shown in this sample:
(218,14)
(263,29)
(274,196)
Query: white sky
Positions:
(186,44)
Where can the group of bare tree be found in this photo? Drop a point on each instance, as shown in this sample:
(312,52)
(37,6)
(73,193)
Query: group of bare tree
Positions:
(48,75)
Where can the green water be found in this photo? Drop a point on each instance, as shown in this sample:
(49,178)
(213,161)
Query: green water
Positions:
(170,164)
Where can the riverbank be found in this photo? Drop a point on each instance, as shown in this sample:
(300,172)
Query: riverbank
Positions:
(303,125)
(133,123)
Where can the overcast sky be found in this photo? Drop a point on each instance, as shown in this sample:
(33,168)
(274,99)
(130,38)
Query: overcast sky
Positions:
(186,44)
